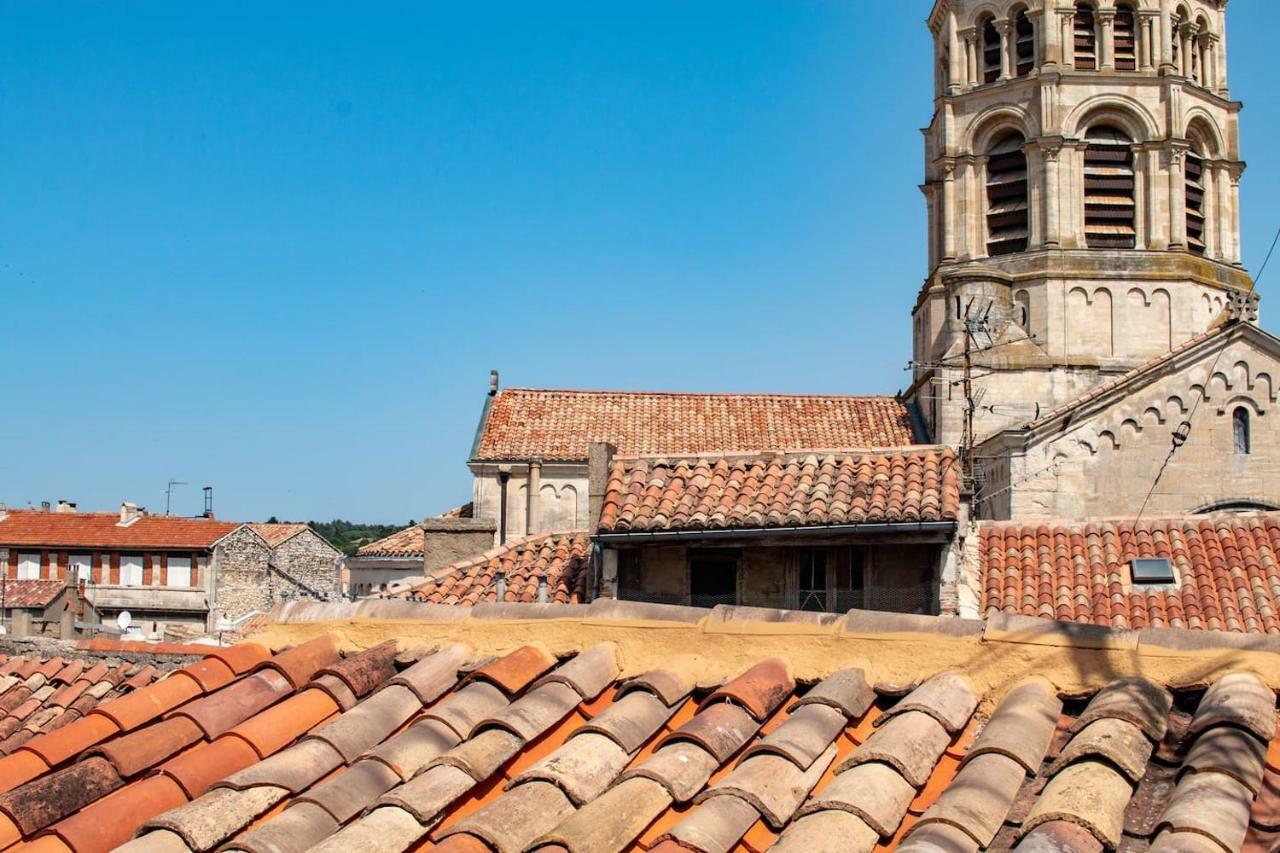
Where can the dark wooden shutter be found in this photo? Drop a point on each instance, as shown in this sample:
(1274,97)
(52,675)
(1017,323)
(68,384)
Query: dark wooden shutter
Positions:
(1086,38)
(1008,227)
(1195,203)
(1026,45)
(990,52)
(1126,36)
(1110,213)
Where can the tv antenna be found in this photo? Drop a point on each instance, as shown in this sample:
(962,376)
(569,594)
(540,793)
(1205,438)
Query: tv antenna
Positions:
(168,492)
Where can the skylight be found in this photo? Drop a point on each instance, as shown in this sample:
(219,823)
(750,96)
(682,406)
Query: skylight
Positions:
(1152,570)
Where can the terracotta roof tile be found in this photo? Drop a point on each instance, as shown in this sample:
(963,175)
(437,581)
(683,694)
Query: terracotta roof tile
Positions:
(277,534)
(104,530)
(559,425)
(558,558)
(804,489)
(833,769)
(32,593)
(1225,568)
(410,542)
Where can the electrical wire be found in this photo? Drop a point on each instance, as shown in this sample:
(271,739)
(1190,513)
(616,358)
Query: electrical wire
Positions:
(1270,252)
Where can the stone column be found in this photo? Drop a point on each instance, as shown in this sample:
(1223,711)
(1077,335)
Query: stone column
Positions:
(1035,194)
(1005,29)
(1157,232)
(1142,185)
(1048,37)
(1050,150)
(958,65)
(533,521)
(1147,23)
(970,37)
(1167,67)
(1107,39)
(1235,172)
(948,219)
(1176,164)
(1221,53)
(1188,47)
(1067,26)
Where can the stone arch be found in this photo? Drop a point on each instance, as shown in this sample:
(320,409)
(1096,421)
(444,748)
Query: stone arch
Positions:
(1162,302)
(1090,322)
(1236,401)
(1120,110)
(997,122)
(990,9)
(1202,129)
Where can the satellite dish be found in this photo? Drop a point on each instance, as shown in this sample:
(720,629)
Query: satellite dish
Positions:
(124,620)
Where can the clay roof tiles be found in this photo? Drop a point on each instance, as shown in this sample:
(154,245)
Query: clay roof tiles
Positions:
(450,749)
(559,426)
(276,534)
(1227,569)
(31,593)
(35,528)
(919,484)
(408,542)
(559,558)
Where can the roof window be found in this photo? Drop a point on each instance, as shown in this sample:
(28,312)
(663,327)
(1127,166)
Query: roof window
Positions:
(1152,571)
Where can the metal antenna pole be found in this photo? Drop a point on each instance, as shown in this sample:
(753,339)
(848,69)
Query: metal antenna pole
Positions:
(168,493)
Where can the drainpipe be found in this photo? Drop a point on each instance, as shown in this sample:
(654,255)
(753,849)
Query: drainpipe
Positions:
(504,476)
(531,524)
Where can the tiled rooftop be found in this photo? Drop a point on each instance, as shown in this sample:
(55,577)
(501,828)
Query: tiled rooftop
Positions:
(448,749)
(30,593)
(32,528)
(559,558)
(828,488)
(276,535)
(39,695)
(402,543)
(560,425)
(1227,566)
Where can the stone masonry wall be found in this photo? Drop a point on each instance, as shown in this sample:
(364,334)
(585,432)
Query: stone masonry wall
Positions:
(310,560)
(240,564)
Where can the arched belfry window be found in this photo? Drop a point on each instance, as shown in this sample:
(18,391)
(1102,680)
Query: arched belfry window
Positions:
(1110,209)
(1025,33)
(991,66)
(1241,431)
(1007,224)
(1195,202)
(1086,38)
(1126,37)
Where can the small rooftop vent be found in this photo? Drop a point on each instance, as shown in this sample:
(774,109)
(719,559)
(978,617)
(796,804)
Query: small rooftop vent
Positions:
(1152,571)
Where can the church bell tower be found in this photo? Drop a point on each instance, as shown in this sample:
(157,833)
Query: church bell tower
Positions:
(1082,174)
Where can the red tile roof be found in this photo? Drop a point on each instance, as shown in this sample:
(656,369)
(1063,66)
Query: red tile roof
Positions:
(276,534)
(31,593)
(559,425)
(409,542)
(821,488)
(40,696)
(379,750)
(32,528)
(1228,570)
(561,558)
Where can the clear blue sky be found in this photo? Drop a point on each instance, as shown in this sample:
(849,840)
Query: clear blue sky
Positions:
(276,247)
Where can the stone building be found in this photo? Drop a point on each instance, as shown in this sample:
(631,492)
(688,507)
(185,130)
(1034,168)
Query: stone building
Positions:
(1082,181)
(418,551)
(825,532)
(535,441)
(258,565)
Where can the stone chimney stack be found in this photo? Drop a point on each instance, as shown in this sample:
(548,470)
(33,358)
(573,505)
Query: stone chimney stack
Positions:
(65,507)
(599,461)
(131,512)
(493,383)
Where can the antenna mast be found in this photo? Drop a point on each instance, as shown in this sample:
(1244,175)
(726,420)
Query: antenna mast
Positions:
(168,493)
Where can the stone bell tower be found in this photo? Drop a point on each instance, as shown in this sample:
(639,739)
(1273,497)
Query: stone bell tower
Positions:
(1082,174)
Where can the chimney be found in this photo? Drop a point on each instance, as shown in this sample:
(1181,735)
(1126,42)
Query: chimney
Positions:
(66,506)
(493,383)
(4,512)
(44,506)
(532,518)
(131,512)
(599,461)
(208,501)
